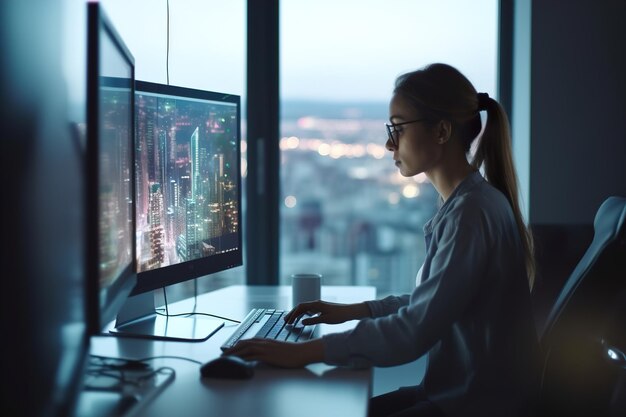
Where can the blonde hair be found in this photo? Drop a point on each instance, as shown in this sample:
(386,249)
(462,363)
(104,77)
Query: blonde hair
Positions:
(440,91)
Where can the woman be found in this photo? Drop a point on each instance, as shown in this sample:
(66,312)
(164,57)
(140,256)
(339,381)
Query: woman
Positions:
(471,308)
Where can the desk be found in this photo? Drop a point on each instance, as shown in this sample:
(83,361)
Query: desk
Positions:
(317,390)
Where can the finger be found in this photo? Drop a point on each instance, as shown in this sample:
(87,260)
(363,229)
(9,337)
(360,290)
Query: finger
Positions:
(314,320)
(251,353)
(310,308)
(247,355)
(287,317)
(296,312)
(233,351)
(240,346)
(269,353)
(254,350)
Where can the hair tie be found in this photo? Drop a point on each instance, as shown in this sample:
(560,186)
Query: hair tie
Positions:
(483,101)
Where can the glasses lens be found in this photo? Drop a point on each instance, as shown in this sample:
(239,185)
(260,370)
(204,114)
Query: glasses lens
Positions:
(392,133)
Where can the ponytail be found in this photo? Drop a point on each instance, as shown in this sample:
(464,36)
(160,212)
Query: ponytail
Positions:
(494,151)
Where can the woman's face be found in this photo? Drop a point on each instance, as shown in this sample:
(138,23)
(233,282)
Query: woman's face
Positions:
(418,147)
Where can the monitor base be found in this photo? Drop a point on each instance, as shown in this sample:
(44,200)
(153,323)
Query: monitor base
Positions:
(179,328)
(139,318)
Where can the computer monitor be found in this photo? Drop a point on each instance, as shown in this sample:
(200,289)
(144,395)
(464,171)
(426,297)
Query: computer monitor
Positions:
(45,341)
(110,170)
(188,201)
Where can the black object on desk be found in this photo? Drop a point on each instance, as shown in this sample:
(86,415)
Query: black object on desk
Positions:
(228,367)
(116,387)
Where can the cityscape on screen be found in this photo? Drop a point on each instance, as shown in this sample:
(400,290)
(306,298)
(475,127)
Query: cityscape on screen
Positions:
(187,162)
(114,186)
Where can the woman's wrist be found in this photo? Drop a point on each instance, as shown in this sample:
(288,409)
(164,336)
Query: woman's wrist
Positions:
(312,351)
(360,311)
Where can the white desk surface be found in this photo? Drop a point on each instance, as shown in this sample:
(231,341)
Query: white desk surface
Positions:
(317,390)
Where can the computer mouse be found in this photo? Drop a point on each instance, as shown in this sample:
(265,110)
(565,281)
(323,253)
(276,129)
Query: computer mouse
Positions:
(228,367)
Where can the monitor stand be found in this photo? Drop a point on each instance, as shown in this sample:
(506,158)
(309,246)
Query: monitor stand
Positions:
(138,318)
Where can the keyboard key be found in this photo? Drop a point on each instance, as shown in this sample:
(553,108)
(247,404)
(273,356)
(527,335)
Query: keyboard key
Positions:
(267,327)
(284,333)
(294,334)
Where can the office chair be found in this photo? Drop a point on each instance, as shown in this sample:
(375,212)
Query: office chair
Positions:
(584,338)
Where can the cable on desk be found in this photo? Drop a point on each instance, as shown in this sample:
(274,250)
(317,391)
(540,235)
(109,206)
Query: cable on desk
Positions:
(118,363)
(122,372)
(138,361)
(172,357)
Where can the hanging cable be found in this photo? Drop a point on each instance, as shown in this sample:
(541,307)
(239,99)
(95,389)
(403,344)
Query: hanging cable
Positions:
(167,312)
(193,313)
(167,55)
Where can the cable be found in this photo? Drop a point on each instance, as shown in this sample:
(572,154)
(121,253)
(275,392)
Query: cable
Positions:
(196,314)
(172,357)
(167,55)
(149,358)
(167,313)
(195,294)
(120,378)
(116,363)
(119,374)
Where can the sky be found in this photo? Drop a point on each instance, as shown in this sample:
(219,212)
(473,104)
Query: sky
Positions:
(337,50)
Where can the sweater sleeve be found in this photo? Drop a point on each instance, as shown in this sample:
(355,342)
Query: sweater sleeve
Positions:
(387,305)
(455,273)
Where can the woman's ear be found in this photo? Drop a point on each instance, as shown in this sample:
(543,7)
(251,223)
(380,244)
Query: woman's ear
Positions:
(444,131)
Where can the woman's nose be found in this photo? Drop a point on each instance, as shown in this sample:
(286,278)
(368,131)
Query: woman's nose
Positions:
(389,145)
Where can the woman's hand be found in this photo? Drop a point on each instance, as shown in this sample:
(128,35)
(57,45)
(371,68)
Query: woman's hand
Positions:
(331,313)
(277,353)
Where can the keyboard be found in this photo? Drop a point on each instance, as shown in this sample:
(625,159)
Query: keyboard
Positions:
(269,324)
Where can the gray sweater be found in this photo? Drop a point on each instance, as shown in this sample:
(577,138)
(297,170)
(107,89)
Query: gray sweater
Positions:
(470,313)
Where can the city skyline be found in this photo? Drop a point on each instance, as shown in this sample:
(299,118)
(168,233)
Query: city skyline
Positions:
(187,191)
(115,232)
(346,212)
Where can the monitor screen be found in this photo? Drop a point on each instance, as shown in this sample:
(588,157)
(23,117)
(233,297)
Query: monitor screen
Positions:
(110,156)
(188,187)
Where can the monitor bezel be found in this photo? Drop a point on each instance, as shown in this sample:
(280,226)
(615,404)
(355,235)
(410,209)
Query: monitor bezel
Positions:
(99,315)
(174,274)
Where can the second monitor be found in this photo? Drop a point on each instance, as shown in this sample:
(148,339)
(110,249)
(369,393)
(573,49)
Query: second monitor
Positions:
(188,200)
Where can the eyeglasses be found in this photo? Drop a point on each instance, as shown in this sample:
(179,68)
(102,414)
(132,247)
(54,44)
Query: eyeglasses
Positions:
(394,133)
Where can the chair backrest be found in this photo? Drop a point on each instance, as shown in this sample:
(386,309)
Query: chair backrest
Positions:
(609,230)
(577,377)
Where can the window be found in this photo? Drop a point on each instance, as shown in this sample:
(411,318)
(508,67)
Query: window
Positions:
(345,210)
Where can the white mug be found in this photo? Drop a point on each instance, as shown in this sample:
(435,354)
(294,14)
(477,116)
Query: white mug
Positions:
(305,287)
